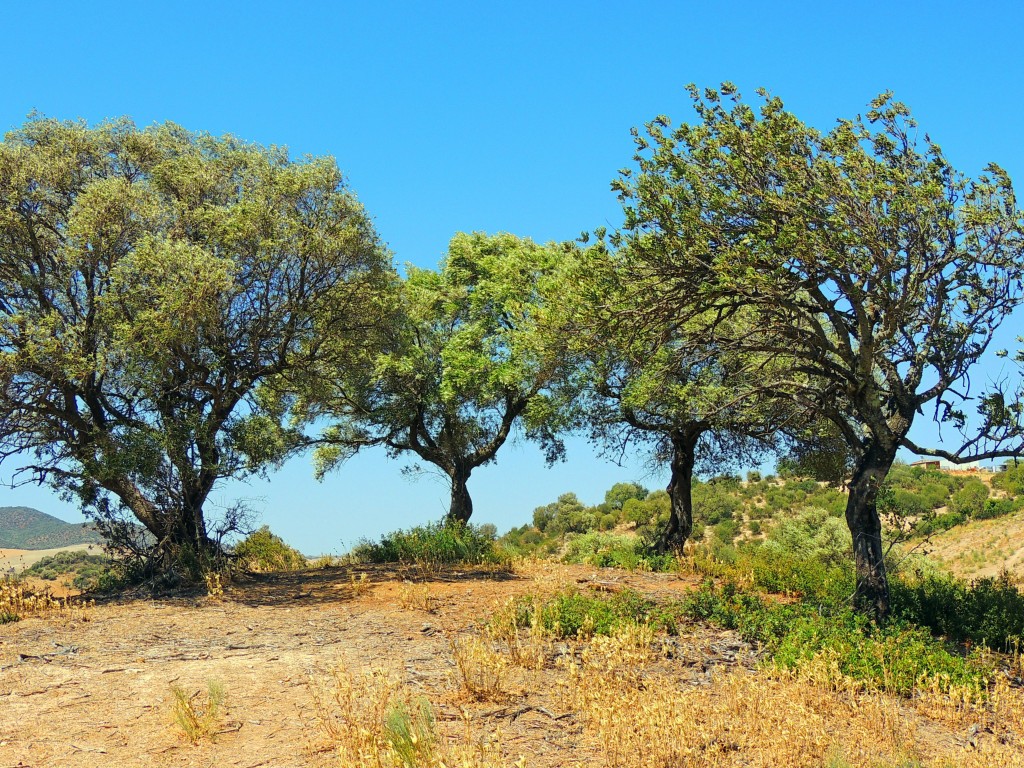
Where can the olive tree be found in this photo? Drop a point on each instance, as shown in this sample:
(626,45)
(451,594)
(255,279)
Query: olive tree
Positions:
(655,383)
(474,355)
(861,255)
(150,280)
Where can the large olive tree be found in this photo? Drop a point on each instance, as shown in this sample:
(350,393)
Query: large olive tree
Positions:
(150,280)
(865,258)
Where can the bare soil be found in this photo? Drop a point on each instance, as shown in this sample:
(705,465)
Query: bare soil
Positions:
(83,693)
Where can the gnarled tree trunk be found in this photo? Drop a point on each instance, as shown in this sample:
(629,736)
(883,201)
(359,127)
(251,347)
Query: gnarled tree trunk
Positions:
(461,508)
(680,492)
(872,596)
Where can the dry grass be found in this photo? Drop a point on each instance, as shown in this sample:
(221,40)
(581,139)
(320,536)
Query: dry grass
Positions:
(526,649)
(214,585)
(748,719)
(636,699)
(480,669)
(416,597)
(358,587)
(198,716)
(981,548)
(17,602)
(368,720)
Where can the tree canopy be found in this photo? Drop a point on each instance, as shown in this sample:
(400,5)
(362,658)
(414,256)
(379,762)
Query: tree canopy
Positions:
(658,383)
(150,280)
(473,354)
(864,258)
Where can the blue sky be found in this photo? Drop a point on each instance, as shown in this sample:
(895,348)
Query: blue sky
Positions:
(494,117)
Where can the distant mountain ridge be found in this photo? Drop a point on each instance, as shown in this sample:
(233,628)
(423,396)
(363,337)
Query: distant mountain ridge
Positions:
(27,528)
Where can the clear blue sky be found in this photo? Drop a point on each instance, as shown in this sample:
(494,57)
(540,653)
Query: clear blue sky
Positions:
(494,117)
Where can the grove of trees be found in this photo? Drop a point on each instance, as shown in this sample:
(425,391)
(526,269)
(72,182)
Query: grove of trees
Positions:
(177,309)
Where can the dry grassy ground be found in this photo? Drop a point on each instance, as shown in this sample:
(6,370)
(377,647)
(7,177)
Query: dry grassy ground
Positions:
(295,654)
(983,548)
(20,559)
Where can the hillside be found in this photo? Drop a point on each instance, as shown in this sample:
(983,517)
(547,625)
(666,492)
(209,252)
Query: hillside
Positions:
(969,522)
(27,528)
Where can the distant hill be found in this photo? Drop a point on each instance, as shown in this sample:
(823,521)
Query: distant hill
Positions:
(27,528)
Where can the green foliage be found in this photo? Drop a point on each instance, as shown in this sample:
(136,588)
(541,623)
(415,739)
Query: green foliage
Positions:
(577,614)
(810,533)
(409,729)
(263,552)
(986,611)
(566,515)
(163,277)
(897,658)
(714,501)
(434,544)
(610,551)
(474,350)
(619,494)
(814,234)
(969,501)
(999,508)
(942,522)
(1011,480)
(89,572)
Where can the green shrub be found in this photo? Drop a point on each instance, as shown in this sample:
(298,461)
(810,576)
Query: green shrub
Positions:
(998,508)
(986,611)
(816,580)
(89,572)
(606,550)
(939,523)
(969,501)
(410,732)
(1011,480)
(811,533)
(897,658)
(434,544)
(262,551)
(574,614)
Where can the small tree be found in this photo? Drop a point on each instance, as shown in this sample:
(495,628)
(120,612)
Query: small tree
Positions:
(150,280)
(864,258)
(473,355)
(657,384)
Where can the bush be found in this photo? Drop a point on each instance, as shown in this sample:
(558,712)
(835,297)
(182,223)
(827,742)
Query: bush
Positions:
(574,614)
(969,501)
(606,550)
(811,534)
(939,523)
(897,658)
(986,611)
(998,508)
(839,646)
(262,551)
(434,544)
(89,572)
